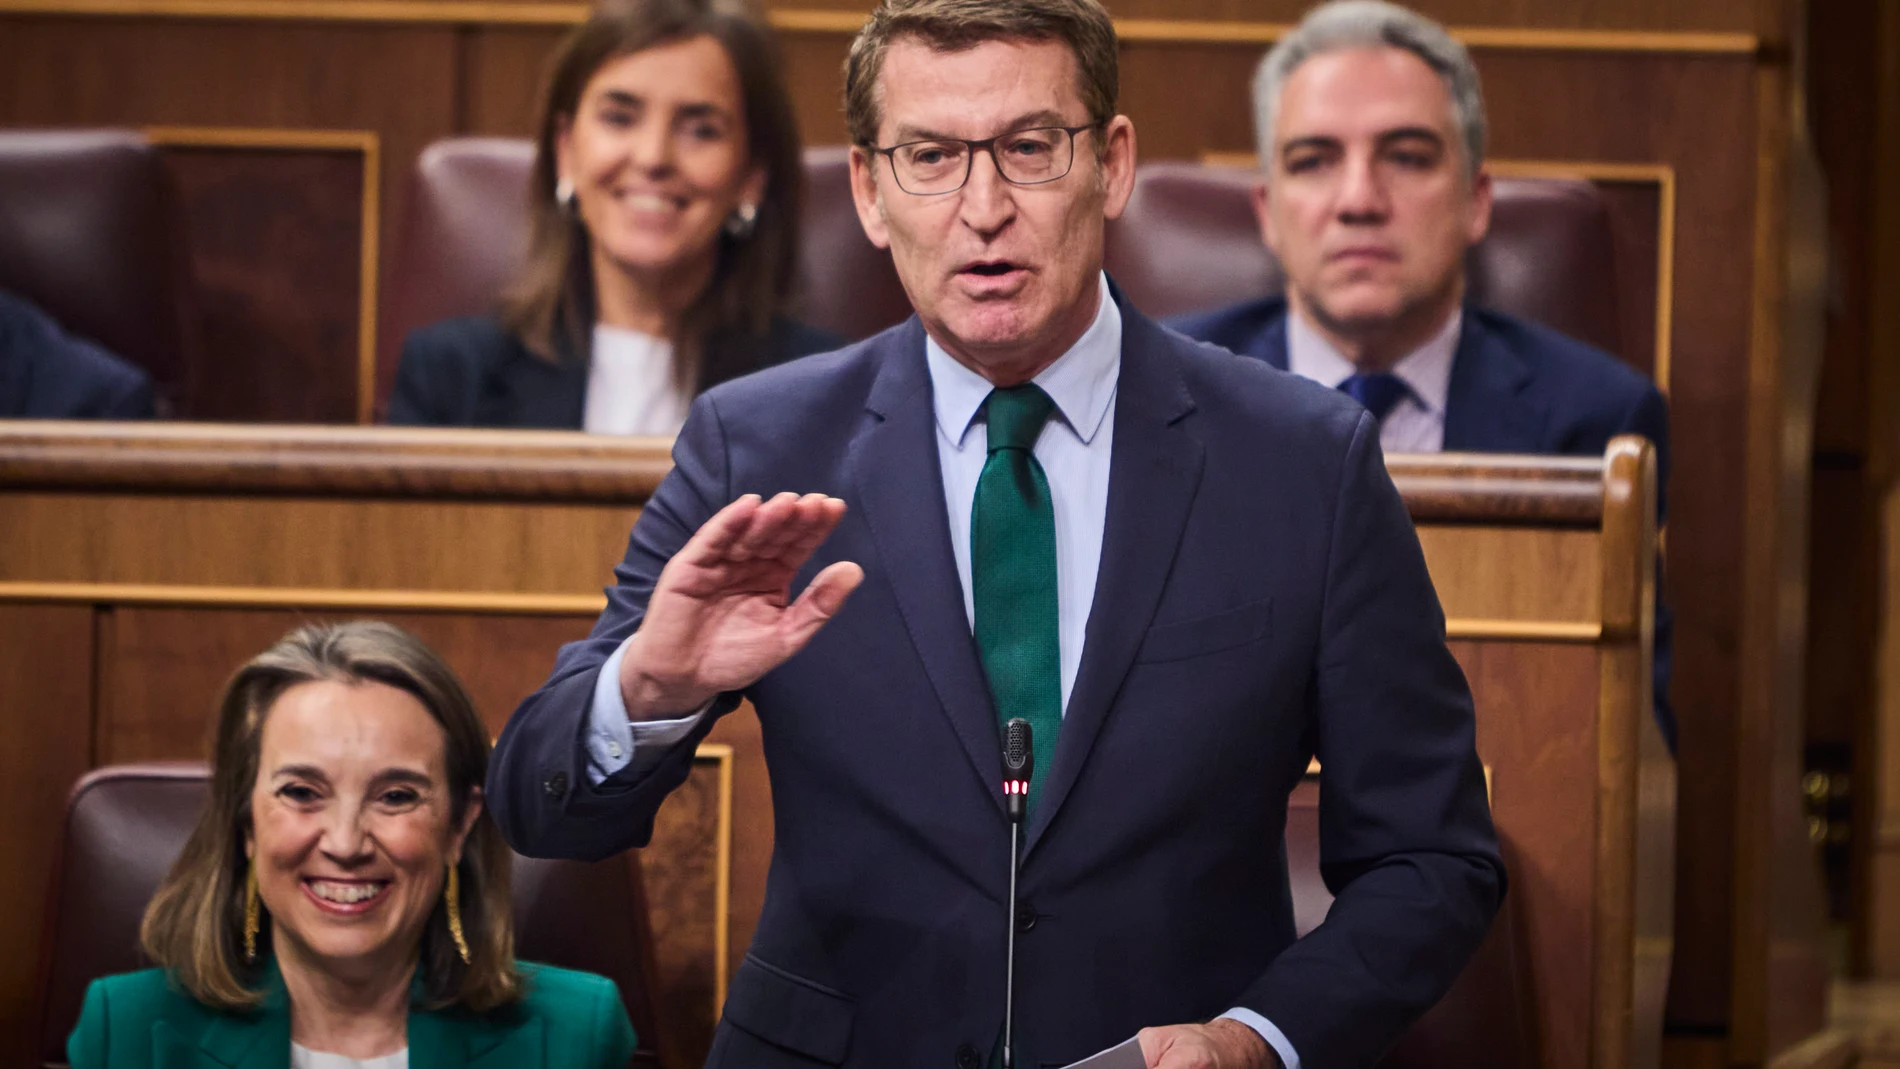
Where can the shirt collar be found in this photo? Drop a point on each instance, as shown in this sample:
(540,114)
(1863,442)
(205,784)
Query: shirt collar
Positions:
(1081,382)
(1427,369)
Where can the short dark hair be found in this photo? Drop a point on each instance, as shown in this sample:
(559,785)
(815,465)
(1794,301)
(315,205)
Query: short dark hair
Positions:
(956,25)
(194,925)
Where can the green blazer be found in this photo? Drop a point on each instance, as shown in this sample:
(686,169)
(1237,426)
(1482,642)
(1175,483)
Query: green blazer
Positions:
(567,1020)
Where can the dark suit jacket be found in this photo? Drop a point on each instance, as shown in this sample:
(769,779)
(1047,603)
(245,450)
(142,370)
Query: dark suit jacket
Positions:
(1248,616)
(1516,387)
(567,1020)
(46,373)
(471,372)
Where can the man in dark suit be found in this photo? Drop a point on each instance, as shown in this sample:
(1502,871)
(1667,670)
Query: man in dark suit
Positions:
(46,373)
(1059,511)
(1371,135)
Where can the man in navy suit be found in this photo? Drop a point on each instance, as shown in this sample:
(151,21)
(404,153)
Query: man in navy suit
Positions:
(46,373)
(1190,572)
(1371,134)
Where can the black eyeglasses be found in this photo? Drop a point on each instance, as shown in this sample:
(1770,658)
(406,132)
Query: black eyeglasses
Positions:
(1023,157)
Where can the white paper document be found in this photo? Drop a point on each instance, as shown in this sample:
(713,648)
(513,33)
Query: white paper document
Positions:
(1124,1055)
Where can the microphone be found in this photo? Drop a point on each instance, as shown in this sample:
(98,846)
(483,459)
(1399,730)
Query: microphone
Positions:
(1019,764)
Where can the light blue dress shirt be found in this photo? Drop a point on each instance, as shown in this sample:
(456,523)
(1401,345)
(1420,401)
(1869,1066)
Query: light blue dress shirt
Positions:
(1074,450)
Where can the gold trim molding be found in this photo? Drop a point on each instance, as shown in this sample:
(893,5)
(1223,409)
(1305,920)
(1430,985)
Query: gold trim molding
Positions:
(843,22)
(369,253)
(256,597)
(721,754)
(1564,631)
(509,604)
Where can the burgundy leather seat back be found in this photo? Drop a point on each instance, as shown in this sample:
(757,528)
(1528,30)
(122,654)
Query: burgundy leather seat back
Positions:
(464,234)
(846,284)
(125,825)
(89,232)
(1483,1022)
(1189,241)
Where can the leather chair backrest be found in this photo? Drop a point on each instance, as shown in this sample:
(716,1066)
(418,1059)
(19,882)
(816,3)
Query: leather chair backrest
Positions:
(845,284)
(126,824)
(89,232)
(1189,241)
(1483,1022)
(463,237)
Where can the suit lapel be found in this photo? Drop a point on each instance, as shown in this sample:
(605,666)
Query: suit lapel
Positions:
(259,1039)
(1269,343)
(466,1041)
(900,492)
(527,391)
(1484,409)
(1154,472)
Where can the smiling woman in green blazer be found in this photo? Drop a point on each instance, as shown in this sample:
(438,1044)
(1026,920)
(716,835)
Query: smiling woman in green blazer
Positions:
(344,902)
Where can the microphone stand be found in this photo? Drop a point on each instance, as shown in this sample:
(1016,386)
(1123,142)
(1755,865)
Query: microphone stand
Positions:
(1018,766)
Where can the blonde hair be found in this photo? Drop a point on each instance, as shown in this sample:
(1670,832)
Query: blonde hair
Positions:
(194,924)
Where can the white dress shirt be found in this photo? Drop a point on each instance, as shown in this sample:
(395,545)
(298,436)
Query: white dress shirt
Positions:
(630,385)
(1074,450)
(1417,423)
(302,1057)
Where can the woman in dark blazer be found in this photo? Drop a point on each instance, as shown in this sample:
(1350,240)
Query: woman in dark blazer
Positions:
(664,199)
(344,900)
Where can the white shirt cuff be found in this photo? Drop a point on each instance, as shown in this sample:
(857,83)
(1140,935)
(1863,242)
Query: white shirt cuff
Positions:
(612,740)
(1274,1037)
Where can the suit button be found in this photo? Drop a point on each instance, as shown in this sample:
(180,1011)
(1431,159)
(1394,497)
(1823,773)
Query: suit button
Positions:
(1025,916)
(555,785)
(967,1058)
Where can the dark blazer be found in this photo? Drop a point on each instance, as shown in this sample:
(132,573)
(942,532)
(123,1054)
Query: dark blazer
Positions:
(471,372)
(568,1020)
(1247,617)
(1516,387)
(46,373)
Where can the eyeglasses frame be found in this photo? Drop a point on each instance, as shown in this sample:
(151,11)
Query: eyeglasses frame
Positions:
(987,144)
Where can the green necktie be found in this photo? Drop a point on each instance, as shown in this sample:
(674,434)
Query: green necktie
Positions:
(1013,573)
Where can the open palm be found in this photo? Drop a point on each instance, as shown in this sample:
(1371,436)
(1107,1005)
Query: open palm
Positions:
(721,614)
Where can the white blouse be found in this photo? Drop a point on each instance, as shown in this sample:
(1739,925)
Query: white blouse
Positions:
(630,387)
(302,1057)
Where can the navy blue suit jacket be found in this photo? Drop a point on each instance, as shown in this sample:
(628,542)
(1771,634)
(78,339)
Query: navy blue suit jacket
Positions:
(1516,387)
(471,372)
(46,373)
(1262,599)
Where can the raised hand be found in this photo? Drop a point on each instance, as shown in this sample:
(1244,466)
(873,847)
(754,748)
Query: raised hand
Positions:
(721,615)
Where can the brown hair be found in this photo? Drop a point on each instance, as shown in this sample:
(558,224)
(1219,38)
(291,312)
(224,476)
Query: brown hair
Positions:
(194,926)
(956,25)
(551,305)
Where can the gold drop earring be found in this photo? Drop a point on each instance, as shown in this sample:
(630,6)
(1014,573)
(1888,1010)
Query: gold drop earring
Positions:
(252,911)
(452,898)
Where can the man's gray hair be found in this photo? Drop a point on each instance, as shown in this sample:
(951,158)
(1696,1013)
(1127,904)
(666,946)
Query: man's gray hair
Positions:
(1350,24)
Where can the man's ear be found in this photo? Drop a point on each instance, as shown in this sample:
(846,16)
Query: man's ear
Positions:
(1118,165)
(864,195)
(1261,197)
(1481,194)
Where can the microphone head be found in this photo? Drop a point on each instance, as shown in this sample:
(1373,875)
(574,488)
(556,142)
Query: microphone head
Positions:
(1019,750)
